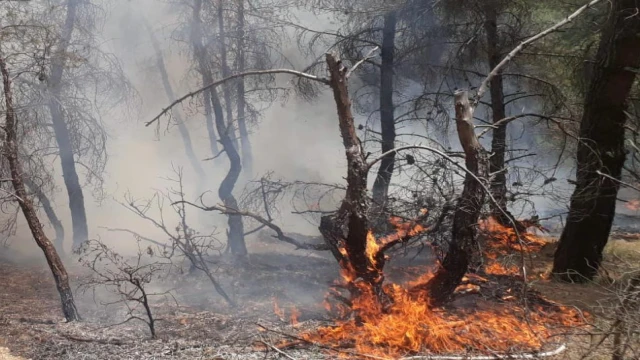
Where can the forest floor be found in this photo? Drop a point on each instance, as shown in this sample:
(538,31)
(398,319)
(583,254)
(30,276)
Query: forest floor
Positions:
(201,326)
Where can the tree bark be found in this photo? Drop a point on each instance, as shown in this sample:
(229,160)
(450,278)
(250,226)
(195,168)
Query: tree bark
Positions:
(200,54)
(50,212)
(247,155)
(61,130)
(463,246)
(387,120)
(601,147)
(26,205)
(184,132)
(355,204)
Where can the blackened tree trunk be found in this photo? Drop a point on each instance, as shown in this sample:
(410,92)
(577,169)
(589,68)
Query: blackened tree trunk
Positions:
(247,156)
(61,130)
(10,150)
(498,142)
(168,89)
(50,212)
(355,204)
(463,246)
(387,121)
(601,146)
(200,54)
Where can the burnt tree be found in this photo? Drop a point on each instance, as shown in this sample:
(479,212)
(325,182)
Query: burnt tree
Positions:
(498,111)
(61,128)
(10,152)
(601,147)
(463,247)
(387,120)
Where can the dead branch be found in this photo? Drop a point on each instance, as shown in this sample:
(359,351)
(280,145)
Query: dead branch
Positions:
(232,77)
(495,71)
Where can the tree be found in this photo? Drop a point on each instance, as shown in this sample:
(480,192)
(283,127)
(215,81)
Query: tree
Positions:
(601,153)
(10,152)
(60,127)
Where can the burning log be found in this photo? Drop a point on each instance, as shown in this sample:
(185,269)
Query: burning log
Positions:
(463,246)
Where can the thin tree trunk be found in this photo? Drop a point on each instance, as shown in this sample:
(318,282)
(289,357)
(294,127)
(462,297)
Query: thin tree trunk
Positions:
(498,143)
(51,214)
(247,156)
(184,132)
(601,147)
(61,130)
(200,54)
(387,120)
(226,90)
(463,245)
(11,153)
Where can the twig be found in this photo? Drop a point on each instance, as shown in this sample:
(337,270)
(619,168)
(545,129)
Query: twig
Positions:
(278,350)
(619,181)
(367,57)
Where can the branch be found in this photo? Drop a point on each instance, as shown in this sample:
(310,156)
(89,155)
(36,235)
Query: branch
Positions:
(618,181)
(280,234)
(135,234)
(485,83)
(367,57)
(235,76)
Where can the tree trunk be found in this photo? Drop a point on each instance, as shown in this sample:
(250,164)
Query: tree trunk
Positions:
(200,54)
(26,205)
(601,147)
(498,142)
(387,120)
(247,156)
(463,246)
(184,132)
(355,204)
(61,130)
(226,90)
(51,214)
(235,234)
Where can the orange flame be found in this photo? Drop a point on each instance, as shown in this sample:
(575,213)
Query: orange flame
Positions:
(633,205)
(410,325)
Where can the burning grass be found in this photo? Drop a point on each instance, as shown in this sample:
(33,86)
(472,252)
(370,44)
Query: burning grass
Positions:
(409,325)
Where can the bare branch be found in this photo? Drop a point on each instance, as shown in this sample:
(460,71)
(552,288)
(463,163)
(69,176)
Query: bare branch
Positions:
(235,76)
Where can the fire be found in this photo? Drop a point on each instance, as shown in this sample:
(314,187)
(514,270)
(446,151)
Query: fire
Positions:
(502,240)
(410,325)
(633,205)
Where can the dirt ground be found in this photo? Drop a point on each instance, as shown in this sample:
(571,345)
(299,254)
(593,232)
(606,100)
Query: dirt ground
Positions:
(201,325)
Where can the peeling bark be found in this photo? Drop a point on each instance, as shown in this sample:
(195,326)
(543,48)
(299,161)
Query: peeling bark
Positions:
(61,130)
(601,147)
(26,205)
(463,245)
